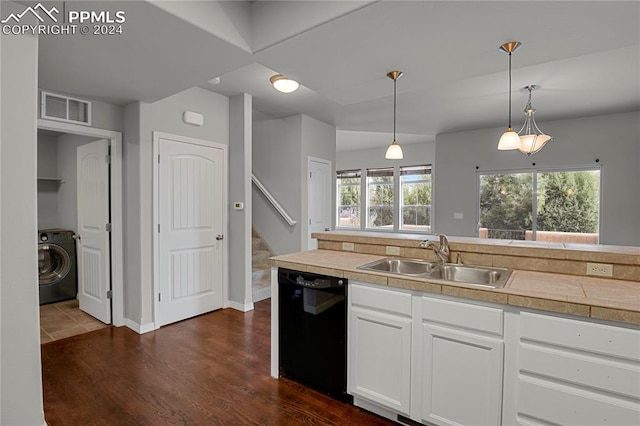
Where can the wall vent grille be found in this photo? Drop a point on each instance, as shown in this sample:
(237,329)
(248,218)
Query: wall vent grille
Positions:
(65,108)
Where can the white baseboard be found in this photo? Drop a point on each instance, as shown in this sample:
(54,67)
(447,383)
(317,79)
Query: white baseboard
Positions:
(239,306)
(139,328)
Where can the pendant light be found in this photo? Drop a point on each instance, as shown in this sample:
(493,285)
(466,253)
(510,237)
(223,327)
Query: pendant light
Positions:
(394,152)
(532,139)
(509,139)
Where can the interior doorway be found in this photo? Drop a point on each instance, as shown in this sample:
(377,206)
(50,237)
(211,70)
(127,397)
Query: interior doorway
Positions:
(112,272)
(319,198)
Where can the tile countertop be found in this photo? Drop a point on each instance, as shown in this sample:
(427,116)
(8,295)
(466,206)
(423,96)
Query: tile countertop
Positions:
(602,298)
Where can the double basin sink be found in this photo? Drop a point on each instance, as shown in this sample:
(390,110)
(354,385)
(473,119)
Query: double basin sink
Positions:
(465,274)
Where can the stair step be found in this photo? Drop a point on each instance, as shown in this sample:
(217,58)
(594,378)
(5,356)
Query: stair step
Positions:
(260,256)
(260,274)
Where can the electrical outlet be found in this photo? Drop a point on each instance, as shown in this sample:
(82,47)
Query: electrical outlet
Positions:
(600,269)
(348,246)
(393,251)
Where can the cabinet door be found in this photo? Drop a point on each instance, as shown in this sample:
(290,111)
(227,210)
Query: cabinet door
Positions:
(462,377)
(380,358)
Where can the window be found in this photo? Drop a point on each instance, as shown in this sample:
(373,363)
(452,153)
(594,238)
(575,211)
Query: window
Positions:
(566,206)
(348,190)
(371,203)
(415,190)
(380,198)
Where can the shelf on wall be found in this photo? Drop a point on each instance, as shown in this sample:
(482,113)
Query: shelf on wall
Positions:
(51,179)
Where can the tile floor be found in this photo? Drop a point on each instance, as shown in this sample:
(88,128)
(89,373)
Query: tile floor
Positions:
(65,319)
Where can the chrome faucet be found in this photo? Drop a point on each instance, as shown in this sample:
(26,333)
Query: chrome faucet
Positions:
(442,250)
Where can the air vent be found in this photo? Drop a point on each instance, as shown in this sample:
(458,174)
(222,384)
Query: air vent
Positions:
(65,108)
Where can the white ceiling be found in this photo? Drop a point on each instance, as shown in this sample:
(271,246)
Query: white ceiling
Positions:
(584,55)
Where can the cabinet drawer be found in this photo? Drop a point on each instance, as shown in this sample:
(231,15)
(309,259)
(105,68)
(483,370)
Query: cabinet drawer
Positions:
(604,374)
(464,315)
(581,335)
(380,299)
(549,403)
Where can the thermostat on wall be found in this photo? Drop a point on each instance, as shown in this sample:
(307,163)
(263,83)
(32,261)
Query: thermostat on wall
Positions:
(238,205)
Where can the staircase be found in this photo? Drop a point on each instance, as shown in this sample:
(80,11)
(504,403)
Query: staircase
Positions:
(260,268)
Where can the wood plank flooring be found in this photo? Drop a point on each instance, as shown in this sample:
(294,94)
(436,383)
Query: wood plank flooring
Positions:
(209,370)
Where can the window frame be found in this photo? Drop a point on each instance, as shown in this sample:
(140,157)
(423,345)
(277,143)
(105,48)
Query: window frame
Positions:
(397,208)
(339,173)
(428,168)
(394,207)
(534,202)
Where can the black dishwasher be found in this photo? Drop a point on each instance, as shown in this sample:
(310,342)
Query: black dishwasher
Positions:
(313,330)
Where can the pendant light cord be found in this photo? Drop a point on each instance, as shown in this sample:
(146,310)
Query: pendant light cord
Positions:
(509,90)
(394,108)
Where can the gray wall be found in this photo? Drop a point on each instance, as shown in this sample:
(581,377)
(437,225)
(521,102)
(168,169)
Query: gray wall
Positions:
(414,154)
(48,190)
(20,375)
(276,154)
(240,126)
(140,121)
(614,139)
(319,141)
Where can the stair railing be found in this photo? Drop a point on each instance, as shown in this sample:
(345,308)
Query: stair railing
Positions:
(272,200)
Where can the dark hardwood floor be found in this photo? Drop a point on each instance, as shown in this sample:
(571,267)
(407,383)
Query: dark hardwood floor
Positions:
(209,370)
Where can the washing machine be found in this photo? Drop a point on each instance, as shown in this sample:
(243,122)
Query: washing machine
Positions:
(57,272)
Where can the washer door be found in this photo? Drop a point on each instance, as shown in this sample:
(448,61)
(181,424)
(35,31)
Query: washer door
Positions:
(54,263)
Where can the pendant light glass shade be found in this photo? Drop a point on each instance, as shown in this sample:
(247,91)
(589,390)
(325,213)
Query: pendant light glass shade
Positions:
(394,152)
(532,139)
(509,139)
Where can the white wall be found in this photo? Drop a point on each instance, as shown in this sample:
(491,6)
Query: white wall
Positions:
(240,126)
(20,378)
(47,189)
(140,121)
(613,139)
(277,155)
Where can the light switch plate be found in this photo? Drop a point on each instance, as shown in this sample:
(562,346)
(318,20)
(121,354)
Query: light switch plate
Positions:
(348,246)
(393,251)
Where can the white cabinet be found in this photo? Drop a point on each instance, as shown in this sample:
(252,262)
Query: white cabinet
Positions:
(379,348)
(461,362)
(573,372)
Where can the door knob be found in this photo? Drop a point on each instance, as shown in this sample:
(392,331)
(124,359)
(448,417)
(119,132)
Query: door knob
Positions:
(219,237)
(76,236)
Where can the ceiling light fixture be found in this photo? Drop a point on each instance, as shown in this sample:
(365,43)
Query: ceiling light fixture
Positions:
(394,152)
(283,83)
(532,139)
(509,139)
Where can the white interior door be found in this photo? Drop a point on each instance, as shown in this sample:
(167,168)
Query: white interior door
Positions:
(190,212)
(93,246)
(319,189)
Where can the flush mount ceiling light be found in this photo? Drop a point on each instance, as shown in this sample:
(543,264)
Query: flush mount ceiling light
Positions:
(509,139)
(532,139)
(283,83)
(394,152)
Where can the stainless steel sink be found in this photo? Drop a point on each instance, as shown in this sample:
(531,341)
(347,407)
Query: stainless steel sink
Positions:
(478,275)
(400,266)
(466,274)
